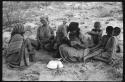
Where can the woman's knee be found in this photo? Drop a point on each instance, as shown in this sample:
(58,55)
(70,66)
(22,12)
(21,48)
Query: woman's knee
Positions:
(121,48)
(61,47)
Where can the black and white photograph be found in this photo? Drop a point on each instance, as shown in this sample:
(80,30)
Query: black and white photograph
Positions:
(62,41)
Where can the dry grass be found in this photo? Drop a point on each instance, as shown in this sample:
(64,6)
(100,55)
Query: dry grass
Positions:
(91,71)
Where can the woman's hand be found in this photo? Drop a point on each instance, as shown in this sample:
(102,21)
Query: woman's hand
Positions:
(88,32)
(74,43)
(78,45)
(93,33)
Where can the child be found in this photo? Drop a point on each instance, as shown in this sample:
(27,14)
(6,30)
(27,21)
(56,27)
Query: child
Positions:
(96,33)
(100,50)
(61,37)
(116,33)
(104,39)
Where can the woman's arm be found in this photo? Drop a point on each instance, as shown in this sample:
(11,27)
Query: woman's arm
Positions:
(77,44)
(100,43)
(51,30)
(97,46)
(65,31)
(92,33)
(38,34)
(82,46)
(100,33)
(95,33)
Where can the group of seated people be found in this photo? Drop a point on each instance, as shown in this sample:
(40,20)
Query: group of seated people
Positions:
(69,44)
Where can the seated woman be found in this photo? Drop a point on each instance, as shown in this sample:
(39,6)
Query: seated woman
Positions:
(61,37)
(73,52)
(98,49)
(61,33)
(104,39)
(109,51)
(96,33)
(116,43)
(45,34)
(116,33)
(16,56)
(44,37)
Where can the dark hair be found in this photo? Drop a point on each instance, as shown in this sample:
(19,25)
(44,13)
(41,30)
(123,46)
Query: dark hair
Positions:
(78,32)
(44,18)
(97,24)
(117,31)
(73,26)
(109,29)
(18,29)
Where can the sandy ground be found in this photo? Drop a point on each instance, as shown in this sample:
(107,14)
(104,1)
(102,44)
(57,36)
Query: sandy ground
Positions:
(38,71)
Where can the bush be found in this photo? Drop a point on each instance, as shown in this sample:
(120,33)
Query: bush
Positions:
(11,13)
(104,13)
(13,10)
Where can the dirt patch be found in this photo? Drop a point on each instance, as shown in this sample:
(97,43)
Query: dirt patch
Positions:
(91,71)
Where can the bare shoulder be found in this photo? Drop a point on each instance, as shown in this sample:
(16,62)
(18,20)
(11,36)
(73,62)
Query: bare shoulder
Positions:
(104,36)
(112,39)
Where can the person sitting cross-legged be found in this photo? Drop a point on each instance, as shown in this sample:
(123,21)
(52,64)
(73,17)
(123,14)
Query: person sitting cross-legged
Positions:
(103,48)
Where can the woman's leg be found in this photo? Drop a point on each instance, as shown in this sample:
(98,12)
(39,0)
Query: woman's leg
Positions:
(70,54)
(63,54)
(31,45)
(35,44)
(90,55)
(101,59)
(104,57)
